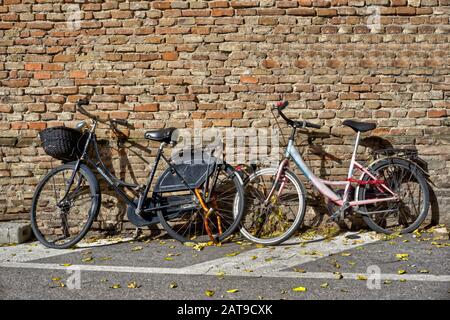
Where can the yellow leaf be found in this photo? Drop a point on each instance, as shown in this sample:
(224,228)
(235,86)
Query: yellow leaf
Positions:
(138,248)
(87,259)
(299,270)
(299,289)
(66,264)
(402,280)
(233,290)
(338,275)
(260,245)
(56,279)
(253,257)
(168,258)
(173,285)
(116,286)
(209,293)
(220,273)
(424,271)
(133,285)
(346,254)
(233,254)
(387,282)
(324,285)
(401,271)
(402,256)
(361,277)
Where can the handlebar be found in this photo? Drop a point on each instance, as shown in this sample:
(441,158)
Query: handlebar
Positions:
(85,101)
(280,106)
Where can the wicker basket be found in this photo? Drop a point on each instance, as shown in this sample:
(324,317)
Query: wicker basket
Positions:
(62,143)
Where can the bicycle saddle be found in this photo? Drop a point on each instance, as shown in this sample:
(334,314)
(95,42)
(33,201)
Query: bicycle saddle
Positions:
(359,126)
(162,135)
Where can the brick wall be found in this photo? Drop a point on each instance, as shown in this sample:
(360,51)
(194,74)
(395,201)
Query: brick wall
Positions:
(166,63)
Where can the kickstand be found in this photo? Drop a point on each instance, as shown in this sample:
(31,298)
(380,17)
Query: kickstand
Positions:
(137,233)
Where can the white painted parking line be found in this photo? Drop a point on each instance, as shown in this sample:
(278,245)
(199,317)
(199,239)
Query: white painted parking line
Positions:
(266,260)
(34,251)
(236,273)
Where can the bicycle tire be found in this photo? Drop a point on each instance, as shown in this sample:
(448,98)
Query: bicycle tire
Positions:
(300,214)
(415,171)
(238,209)
(93,212)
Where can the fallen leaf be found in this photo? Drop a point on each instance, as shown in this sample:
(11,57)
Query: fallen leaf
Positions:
(133,285)
(233,290)
(324,285)
(387,282)
(253,257)
(361,277)
(232,254)
(402,280)
(401,271)
(209,293)
(66,264)
(173,285)
(56,279)
(168,258)
(138,248)
(299,270)
(220,273)
(299,289)
(116,286)
(402,256)
(424,271)
(87,259)
(338,275)
(346,254)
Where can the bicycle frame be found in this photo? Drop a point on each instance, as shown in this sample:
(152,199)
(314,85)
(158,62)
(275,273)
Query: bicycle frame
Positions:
(116,183)
(322,185)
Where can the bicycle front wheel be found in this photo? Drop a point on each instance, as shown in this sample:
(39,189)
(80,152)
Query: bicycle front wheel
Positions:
(404,215)
(62,213)
(225,203)
(276,221)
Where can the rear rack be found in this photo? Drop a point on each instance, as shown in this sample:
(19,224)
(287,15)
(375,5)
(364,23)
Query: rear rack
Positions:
(411,154)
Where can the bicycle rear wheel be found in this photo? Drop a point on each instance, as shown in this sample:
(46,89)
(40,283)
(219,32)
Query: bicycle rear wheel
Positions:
(275,222)
(405,215)
(226,202)
(61,215)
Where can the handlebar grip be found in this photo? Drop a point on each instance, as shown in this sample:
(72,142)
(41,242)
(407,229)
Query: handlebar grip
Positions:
(281,105)
(83,102)
(312,125)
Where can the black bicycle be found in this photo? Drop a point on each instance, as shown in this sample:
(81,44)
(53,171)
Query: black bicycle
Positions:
(196,199)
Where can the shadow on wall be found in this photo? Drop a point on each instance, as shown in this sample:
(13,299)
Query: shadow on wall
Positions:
(112,218)
(322,208)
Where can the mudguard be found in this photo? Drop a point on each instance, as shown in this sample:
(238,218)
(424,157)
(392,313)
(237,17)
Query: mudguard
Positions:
(194,171)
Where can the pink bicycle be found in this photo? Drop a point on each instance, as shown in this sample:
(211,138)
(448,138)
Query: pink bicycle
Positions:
(391,194)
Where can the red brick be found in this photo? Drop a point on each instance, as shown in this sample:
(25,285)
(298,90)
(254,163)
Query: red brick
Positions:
(161,5)
(218,4)
(33,66)
(42,75)
(149,107)
(37,125)
(64,58)
(170,56)
(437,113)
(222,12)
(248,79)
(301,12)
(78,74)
(19,125)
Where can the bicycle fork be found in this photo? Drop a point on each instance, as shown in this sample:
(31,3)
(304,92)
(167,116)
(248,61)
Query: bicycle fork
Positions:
(279,177)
